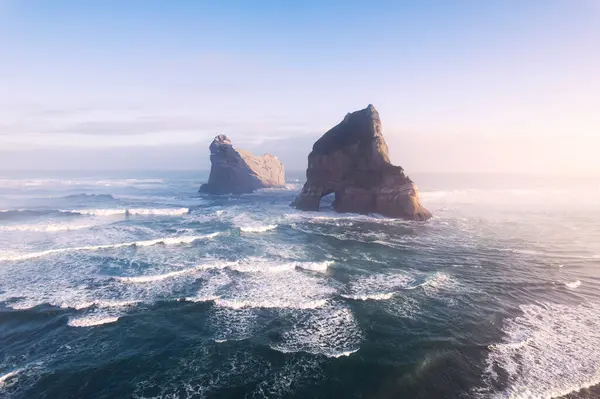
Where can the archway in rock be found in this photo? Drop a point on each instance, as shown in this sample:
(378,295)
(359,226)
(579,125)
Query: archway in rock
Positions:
(326,201)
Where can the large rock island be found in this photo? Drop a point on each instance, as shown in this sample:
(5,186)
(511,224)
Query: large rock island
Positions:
(351,160)
(235,171)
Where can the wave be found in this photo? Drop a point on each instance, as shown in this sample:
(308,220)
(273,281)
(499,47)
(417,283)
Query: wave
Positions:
(146,243)
(540,345)
(89,197)
(98,304)
(334,355)
(20,183)
(4,378)
(48,227)
(130,211)
(270,304)
(330,331)
(258,229)
(198,299)
(315,266)
(369,297)
(9,214)
(261,265)
(573,284)
(510,346)
(92,321)
(342,354)
(378,287)
(176,273)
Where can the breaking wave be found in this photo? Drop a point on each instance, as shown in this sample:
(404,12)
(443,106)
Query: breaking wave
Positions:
(258,229)
(540,345)
(4,378)
(331,331)
(573,284)
(130,211)
(146,243)
(46,227)
(92,321)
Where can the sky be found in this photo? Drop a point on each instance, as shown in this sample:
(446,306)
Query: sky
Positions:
(496,86)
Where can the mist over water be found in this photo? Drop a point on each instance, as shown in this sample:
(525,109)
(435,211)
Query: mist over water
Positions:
(134,285)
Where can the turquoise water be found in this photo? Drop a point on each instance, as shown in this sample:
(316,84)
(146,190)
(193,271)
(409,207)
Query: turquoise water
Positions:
(134,285)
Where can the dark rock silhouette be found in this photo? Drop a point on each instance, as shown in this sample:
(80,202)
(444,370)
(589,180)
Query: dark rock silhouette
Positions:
(351,160)
(235,171)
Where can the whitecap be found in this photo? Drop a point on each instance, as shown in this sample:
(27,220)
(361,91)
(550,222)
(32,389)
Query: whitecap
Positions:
(8,256)
(378,287)
(258,229)
(99,303)
(270,304)
(130,211)
(540,345)
(4,378)
(293,290)
(92,321)
(370,297)
(331,331)
(46,227)
(175,273)
(315,266)
(573,284)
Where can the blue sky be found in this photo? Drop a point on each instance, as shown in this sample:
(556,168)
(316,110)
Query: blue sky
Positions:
(483,86)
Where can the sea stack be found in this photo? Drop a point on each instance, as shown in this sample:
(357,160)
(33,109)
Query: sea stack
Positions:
(351,160)
(235,171)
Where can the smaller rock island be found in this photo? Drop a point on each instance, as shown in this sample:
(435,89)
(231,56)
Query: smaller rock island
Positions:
(236,171)
(351,160)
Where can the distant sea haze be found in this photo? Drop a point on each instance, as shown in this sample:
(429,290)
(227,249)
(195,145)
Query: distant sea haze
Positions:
(137,279)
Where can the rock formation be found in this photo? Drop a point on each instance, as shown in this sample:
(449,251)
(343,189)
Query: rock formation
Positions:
(351,160)
(236,171)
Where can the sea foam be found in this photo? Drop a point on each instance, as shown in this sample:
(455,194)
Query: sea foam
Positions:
(145,243)
(92,321)
(540,345)
(258,229)
(130,211)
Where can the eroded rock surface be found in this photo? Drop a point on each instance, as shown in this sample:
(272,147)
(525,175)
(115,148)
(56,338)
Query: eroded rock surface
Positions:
(351,160)
(235,171)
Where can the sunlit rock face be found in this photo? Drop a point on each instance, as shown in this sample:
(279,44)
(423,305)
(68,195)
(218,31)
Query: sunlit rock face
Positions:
(351,160)
(236,171)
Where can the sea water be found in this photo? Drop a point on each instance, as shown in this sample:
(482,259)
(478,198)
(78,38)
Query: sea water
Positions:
(134,285)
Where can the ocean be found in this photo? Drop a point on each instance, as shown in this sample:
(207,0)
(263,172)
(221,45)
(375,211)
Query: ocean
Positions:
(133,285)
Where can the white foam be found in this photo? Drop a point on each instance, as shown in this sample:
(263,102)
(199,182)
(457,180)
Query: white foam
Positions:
(8,256)
(176,273)
(46,227)
(258,229)
(99,304)
(378,287)
(91,321)
(253,265)
(331,331)
(229,324)
(201,298)
(550,351)
(342,354)
(573,284)
(371,297)
(315,266)
(131,211)
(269,304)
(4,378)
(293,290)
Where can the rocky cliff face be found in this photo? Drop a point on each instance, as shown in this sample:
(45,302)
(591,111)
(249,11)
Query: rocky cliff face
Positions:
(236,171)
(351,160)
